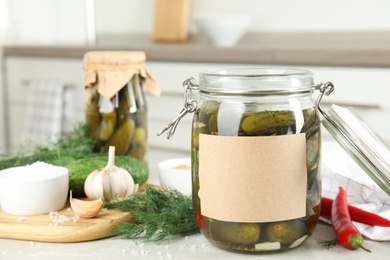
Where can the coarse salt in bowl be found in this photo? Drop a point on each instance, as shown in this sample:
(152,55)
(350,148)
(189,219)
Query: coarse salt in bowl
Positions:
(33,189)
(176,174)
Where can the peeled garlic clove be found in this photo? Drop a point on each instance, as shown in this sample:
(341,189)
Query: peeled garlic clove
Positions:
(86,208)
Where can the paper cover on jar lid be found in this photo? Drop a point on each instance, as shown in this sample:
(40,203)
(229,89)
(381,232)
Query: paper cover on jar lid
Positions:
(109,71)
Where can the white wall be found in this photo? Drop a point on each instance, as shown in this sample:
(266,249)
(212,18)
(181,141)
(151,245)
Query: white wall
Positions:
(64,20)
(306,15)
(46,20)
(3,144)
(269,15)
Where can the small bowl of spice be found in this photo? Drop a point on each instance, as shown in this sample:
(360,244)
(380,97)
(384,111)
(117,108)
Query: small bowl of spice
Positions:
(34,189)
(176,174)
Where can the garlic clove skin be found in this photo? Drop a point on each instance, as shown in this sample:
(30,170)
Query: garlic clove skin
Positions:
(122,184)
(111,182)
(93,185)
(135,190)
(86,208)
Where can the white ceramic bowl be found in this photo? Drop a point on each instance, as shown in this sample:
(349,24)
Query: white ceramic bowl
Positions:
(172,175)
(223,30)
(34,189)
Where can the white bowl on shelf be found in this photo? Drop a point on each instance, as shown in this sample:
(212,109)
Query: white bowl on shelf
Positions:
(223,30)
(176,174)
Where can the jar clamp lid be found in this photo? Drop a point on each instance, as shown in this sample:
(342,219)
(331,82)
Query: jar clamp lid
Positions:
(365,147)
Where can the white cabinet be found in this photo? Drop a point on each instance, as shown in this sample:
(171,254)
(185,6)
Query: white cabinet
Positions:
(368,88)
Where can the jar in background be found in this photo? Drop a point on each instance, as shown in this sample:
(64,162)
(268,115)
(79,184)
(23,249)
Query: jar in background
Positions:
(116,108)
(256,149)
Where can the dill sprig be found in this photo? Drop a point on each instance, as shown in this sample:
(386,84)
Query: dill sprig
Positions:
(159,214)
(77,144)
(328,244)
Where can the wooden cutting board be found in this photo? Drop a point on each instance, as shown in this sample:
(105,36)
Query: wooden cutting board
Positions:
(43,228)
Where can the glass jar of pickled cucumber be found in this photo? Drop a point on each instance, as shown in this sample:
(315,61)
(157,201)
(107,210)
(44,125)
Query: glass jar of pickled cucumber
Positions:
(255,159)
(115,104)
(256,147)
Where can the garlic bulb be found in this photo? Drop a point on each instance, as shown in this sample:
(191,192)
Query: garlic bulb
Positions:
(86,208)
(110,182)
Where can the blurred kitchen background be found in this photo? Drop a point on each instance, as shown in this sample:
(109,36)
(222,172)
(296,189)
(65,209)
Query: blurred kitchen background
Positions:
(346,42)
(65,20)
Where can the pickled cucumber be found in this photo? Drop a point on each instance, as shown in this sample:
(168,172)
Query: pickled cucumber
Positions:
(139,135)
(311,124)
(93,122)
(237,233)
(139,151)
(213,124)
(269,123)
(286,232)
(107,125)
(200,129)
(93,105)
(312,158)
(92,117)
(123,107)
(121,138)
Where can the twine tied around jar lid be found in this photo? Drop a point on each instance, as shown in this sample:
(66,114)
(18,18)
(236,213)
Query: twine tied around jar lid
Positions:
(109,71)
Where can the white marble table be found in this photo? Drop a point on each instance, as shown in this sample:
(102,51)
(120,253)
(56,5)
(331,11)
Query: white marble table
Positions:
(192,247)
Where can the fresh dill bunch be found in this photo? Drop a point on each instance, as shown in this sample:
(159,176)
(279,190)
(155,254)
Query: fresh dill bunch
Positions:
(159,215)
(61,151)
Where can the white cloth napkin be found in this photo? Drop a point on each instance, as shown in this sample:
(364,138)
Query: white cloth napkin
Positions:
(45,109)
(339,169)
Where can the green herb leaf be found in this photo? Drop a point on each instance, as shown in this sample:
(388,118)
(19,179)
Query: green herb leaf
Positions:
(328,244)
(78,144)
(159,215)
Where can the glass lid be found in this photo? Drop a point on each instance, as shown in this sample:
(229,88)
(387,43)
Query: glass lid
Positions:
(365,147)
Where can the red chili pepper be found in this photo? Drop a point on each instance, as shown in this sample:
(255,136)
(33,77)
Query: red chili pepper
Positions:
(357,214)
(201,221)
(347,234)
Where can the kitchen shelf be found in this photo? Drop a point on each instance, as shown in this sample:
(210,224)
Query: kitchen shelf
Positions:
(355,49)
